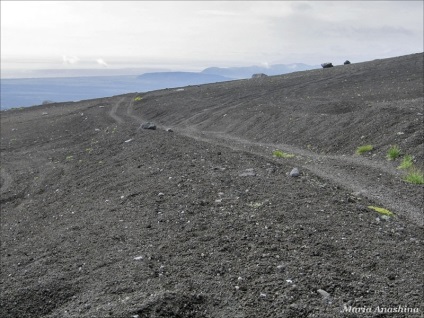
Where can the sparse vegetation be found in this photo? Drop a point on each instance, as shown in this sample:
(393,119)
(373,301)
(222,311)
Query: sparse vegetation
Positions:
(393,153)
(138,98)
(69,158)
(381,210)
(406,163)
(362,149)
(280,154)
(415,176)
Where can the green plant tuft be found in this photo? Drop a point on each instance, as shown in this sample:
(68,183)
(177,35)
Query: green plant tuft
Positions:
(406,162)
(415,176)
(393,153)
(138,98)
(360,150)
(280,154)
(381,210)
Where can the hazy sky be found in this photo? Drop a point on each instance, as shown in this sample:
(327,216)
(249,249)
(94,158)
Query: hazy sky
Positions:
(191,35)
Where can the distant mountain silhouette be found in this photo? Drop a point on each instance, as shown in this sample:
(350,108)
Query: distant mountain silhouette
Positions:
(248,71)
(158,80)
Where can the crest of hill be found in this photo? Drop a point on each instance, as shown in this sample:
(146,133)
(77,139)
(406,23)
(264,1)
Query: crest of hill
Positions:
(328,110)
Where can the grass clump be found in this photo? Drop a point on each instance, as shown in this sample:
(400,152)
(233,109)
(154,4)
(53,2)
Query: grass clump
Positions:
(280,154)
(393,153)
(406,163)
(381,210)
(415,176)
(138,98)
(365,148)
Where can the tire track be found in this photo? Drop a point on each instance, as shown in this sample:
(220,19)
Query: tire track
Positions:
(112,112)
(354,173)
(128,111)
(6,180)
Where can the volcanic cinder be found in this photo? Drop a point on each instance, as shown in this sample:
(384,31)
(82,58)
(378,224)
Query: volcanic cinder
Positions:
(100,218)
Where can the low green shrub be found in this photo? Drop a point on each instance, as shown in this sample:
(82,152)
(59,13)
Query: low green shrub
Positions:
(381,210)
(393,153)
(415,176)
(362,149)
(280,154)
(406,163)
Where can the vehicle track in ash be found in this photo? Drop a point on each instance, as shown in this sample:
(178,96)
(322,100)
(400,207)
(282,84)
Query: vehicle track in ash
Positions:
(122,111)
(363,177)
(360,175)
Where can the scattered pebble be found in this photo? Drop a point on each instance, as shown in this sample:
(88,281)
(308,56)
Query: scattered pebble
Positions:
(137,258)
(148,126)
(129,140)
(262,295)
(248,173)
(323,293)
(295,172)
(160,194)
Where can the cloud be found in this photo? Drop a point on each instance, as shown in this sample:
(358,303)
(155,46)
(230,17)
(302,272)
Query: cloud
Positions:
(102,62)
(70,59)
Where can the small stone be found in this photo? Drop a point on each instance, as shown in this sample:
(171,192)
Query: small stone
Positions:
(294,306)
(160,194)
(148,125)
(248,173)
(295,172)
(169,130)
(323,293)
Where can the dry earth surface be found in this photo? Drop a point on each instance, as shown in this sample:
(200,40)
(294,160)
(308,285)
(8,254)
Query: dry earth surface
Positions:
(100,218)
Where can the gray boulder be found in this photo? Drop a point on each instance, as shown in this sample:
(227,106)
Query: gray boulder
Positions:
(148,125)
(295,172)
(327,65)
(346,62)
(259,75)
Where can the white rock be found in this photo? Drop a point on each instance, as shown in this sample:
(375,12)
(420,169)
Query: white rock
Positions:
(323,293)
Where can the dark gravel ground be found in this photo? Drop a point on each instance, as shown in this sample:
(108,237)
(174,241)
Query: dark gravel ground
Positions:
(102,219)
